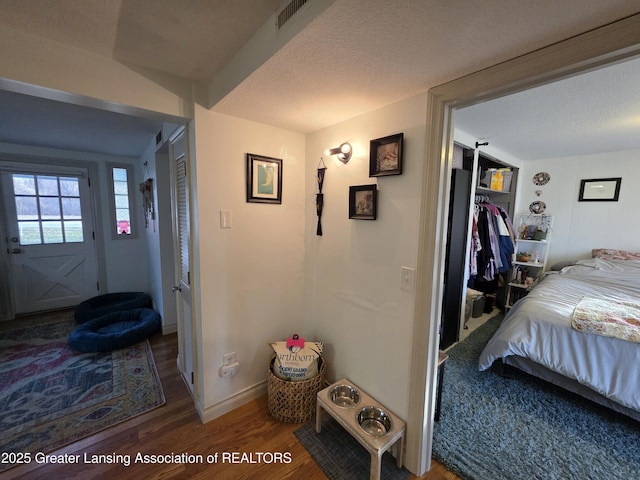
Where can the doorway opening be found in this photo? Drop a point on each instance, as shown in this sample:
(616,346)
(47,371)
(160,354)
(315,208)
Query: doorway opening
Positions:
(592,50)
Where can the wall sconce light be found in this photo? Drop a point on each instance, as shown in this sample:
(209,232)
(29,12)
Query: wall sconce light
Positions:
(343,152)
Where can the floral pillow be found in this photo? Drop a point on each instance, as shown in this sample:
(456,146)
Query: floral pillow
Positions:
(610,254)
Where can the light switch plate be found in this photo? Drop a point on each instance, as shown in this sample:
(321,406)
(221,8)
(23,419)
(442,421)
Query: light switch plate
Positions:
(225,218)
(407,278)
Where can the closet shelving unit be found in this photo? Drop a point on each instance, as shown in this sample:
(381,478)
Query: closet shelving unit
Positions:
(467,183)
(531,254)
(503,197)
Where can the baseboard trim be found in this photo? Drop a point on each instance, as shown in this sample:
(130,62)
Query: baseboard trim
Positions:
(169,329)
(244,396)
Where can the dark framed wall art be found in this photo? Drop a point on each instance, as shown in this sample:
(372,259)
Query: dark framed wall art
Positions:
(264,179)
(600,190)
(385,156)
(363,202)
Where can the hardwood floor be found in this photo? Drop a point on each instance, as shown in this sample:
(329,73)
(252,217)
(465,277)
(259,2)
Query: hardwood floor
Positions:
(176,428)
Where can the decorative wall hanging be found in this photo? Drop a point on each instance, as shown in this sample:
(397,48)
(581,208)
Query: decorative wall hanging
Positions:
(363,202)
(264,179)
(148,206)
(541,178)
(600,190)
(537,207)
(320,196)
(385,156)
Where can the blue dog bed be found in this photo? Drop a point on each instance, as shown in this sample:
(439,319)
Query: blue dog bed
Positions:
(115,330)
(111,302)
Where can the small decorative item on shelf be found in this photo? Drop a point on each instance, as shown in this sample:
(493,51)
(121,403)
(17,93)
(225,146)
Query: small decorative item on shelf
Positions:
(523,257)
(540,235)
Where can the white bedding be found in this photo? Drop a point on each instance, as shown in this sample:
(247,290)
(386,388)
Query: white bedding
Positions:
(538,327)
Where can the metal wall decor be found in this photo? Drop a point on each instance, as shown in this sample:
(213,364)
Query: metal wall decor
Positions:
(541,178)
(537,207)
(148,204)
(146,188)
(320,196)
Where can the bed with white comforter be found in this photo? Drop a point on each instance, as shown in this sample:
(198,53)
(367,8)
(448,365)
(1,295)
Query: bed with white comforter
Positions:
(538,328)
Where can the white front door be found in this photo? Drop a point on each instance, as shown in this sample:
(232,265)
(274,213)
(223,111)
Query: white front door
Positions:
(50,237)
(182,241)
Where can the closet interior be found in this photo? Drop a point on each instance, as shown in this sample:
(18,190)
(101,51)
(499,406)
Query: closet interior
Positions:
(480,239)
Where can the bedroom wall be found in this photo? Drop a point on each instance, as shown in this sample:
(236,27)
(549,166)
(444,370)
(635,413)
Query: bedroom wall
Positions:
(581,226)
(354,302)
(251,275)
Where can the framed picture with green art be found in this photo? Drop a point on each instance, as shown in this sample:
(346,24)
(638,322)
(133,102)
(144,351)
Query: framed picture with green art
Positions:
(264,179)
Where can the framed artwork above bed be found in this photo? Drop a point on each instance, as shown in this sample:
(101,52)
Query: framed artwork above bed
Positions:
(600,190)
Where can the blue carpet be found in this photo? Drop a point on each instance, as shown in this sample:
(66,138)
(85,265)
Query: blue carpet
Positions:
(340,456)
(495,428)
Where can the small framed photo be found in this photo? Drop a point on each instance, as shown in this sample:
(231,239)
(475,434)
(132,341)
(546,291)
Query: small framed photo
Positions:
(385,156)
(264,179)
(600,190)
(363,202)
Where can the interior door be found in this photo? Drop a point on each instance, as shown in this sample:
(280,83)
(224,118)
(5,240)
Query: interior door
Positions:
(50,237)
(182,240)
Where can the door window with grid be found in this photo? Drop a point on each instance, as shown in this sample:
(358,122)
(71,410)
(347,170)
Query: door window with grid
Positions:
(47,208)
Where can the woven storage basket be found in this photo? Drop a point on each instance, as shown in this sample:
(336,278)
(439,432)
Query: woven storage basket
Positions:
(293,402)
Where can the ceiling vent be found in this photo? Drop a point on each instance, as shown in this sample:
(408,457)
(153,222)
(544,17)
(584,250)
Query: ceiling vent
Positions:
(289,11)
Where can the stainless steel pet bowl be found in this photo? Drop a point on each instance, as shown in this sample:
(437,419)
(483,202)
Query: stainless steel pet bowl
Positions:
(374,421)
(344,396)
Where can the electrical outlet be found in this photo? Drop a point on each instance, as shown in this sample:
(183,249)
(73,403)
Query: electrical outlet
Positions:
(227,371)
(229,358)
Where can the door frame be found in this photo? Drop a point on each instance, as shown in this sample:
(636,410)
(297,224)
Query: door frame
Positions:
(594,49)
(7,162)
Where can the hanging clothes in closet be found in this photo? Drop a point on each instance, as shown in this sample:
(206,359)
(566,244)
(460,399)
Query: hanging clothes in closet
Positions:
(492,245)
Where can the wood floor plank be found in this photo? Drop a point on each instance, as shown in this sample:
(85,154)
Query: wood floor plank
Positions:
(175,427)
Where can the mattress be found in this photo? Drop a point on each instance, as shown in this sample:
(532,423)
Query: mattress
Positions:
(538,328)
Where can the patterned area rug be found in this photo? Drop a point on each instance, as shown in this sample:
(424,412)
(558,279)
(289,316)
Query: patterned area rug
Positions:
(51,396)
(511,428)
(340,456)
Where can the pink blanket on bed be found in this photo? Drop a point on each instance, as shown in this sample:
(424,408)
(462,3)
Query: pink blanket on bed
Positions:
(608,317)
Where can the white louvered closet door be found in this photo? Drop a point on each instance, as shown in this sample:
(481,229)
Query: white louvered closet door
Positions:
(182,242)
(182,197)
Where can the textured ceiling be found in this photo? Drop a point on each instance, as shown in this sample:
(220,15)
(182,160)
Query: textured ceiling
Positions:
(356,56)
(591,113)
(361,54)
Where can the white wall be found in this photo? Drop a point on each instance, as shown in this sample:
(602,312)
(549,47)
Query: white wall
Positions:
(251,275)
(581,226)
(38,61)
(158,236)
(354,301)
(127,266)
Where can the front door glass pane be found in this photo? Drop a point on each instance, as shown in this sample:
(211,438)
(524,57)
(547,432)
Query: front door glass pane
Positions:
(52,232)
(41,202)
